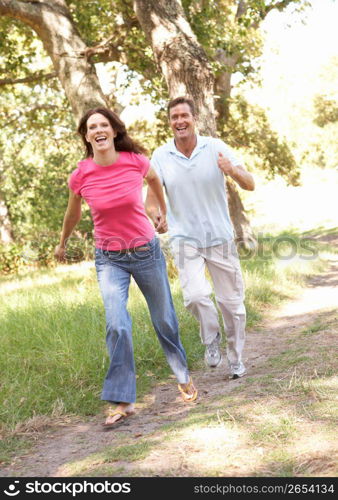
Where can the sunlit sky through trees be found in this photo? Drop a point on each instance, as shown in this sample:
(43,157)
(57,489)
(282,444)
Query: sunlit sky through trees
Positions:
(297,48)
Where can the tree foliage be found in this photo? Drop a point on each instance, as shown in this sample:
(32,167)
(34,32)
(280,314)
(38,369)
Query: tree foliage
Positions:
(323,149)
(37,142)
(326,110)
(249,130)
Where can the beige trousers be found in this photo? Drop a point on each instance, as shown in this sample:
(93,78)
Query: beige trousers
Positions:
(224,268)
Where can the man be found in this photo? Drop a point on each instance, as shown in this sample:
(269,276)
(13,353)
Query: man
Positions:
(192,169)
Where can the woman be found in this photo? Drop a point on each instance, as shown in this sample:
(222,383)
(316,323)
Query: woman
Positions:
(110,179)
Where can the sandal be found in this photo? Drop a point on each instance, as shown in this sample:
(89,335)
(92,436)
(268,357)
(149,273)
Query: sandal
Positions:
(189,394)
(112,413)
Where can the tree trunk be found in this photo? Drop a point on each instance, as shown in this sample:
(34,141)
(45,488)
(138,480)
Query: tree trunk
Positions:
(53,24)
(223,85)
(179,56)
(244,235)
(187,71)
(6,234)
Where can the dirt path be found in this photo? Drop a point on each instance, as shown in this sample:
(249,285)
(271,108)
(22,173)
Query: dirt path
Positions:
(69,442)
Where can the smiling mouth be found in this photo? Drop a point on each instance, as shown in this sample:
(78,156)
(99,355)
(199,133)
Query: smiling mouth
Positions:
(100,139)
(181,129)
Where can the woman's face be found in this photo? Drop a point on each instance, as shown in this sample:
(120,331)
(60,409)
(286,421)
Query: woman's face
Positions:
(100,133)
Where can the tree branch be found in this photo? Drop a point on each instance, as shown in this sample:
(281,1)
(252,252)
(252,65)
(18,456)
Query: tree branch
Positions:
(53,23)
(28,79)
(29,12)
(263,11)
(32,9)
(241,9)
(105,50)
(282,4)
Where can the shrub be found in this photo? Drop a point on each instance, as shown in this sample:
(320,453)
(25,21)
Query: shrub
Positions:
(11,259)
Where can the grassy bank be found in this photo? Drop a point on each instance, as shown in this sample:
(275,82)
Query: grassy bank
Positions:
(53,357)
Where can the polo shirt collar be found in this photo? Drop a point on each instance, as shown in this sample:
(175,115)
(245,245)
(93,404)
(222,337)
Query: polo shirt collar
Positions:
(200,144)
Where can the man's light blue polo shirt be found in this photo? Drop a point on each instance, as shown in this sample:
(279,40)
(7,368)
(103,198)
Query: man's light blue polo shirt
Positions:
(196,193)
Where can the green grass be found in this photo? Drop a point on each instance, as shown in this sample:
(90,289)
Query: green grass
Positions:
(53,356)
(13,444)
(282,431)
(316,327)
(110,455)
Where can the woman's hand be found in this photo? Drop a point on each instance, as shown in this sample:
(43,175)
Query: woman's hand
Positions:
(60,253)
(71,218)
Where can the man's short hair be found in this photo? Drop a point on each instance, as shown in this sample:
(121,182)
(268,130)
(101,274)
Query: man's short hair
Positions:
(182,100)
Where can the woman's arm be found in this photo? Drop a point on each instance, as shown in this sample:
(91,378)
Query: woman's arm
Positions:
(155,203)
(71,218)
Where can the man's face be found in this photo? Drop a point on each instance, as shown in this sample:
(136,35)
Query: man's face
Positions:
(182,121)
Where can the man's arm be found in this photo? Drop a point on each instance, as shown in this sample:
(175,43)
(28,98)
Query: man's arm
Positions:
(236,172)
(71,218)
(155,203)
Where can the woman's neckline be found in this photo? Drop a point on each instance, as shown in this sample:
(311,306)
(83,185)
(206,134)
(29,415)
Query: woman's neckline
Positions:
(109,164)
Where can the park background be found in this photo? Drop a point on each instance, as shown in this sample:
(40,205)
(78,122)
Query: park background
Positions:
(274,68)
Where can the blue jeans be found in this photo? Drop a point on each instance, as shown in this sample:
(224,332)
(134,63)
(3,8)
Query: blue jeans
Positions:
(148,268)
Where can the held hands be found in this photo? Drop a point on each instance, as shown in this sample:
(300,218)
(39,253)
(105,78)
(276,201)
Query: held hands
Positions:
(160,222)
(225,165)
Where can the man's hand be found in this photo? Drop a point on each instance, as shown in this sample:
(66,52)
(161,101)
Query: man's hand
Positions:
(237,173)
(225,165)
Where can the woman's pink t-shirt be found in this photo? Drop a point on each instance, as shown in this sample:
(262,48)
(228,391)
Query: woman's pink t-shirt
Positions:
(114,195)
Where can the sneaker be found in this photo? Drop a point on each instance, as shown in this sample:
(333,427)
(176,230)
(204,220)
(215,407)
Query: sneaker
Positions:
(237,372)
(212,355)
